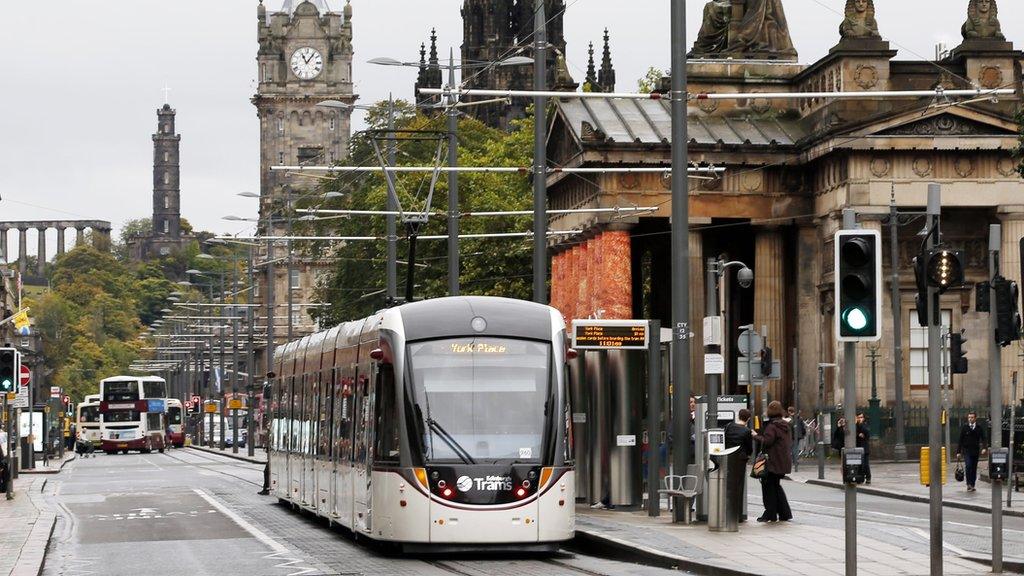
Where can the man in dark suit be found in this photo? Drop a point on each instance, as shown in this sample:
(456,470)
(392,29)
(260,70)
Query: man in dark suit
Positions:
(972,446)
(864,441)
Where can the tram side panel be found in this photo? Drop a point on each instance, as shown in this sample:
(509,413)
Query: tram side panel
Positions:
(557,510)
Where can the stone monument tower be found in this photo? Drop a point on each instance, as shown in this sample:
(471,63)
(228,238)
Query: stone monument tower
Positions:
(304,58)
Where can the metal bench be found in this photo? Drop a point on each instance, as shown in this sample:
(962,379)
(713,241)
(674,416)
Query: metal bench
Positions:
(687,487)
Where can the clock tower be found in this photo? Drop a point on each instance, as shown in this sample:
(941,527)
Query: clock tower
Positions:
(305,57)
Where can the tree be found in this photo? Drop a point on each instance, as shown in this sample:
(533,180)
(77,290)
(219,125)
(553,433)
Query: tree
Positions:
(355,287)
(651,80)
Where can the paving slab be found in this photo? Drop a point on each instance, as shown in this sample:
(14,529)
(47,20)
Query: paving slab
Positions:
(762,549)
(26,523)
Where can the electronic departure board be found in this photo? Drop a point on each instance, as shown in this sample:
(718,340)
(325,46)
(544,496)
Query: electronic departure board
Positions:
(610,334)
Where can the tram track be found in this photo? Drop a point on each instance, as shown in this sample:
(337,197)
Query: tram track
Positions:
(466,569)
(211,466)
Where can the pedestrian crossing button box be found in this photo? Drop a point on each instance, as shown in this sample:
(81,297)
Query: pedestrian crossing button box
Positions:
(853,466)
(998,463)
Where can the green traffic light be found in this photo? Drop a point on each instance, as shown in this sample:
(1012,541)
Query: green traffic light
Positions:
(855,318)
(6,385)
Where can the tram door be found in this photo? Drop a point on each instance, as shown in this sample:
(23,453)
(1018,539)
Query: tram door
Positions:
(293,432)
(364,450)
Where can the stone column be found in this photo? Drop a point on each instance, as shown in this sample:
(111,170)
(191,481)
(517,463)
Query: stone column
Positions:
(1012,220)
(697,312)
(810,318)
(79,236)
(60,240)
(770,296)
(22,250)
(3,245)
(101,239)
(41,251)
(884,345)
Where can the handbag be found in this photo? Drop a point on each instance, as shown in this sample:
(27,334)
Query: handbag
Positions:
(760,466)
(958,473)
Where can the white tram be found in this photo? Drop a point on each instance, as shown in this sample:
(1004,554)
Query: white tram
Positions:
(442,424)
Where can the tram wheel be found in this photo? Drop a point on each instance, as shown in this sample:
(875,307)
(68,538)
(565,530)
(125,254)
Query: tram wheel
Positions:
(161,450)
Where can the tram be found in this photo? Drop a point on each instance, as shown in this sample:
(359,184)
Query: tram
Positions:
(436,425)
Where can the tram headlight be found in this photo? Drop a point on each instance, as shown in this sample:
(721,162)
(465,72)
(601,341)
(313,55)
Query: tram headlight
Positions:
(447,492)
(521,492)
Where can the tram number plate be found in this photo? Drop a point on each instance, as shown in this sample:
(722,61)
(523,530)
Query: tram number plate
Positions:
(125,445)
(610,334)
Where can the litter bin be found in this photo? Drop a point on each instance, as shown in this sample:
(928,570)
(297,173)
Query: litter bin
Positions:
(725,491)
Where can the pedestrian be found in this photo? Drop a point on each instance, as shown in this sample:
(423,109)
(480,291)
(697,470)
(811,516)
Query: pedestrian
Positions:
(839,435)
(972,446)
(3,461)
(738,433)
(864,442)
(777,444)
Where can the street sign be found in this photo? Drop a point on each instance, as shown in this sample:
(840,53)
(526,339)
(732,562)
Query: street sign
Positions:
(712,330)
(210,408)
(235,404)
(743,374)
(11,396)
(21,399)
(610,334)
(54,391)
(714,364)
(749,339)
(26,375)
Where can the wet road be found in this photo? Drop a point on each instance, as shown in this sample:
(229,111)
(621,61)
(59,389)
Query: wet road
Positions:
(187,512)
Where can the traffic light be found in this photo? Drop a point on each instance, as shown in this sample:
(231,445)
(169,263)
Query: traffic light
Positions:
(957,354)
(944,269)
(1007,311)
(9,370)
(858,269)
(766,362)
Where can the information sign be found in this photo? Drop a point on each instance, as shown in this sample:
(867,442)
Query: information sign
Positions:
(610,334)
(210,408)
(235,404)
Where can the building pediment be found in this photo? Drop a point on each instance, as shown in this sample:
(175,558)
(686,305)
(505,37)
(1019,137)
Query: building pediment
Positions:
(950,121)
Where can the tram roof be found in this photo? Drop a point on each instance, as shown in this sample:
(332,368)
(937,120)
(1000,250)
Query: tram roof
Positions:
(452,316)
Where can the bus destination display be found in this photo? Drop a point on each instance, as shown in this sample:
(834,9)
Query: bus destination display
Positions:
(610,335)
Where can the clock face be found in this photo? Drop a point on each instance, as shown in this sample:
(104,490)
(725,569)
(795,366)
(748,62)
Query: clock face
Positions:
(307,63)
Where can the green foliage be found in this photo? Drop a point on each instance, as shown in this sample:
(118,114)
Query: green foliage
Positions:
(91,317)
(489,266)
(651,80)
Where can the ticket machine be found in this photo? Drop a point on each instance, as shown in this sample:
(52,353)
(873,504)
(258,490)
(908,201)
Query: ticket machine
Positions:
(728,408)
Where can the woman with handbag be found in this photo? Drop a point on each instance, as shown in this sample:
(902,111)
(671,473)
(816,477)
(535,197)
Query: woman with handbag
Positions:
(777,447)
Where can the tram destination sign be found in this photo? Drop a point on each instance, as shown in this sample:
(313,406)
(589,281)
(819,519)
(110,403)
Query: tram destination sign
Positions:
(610,334)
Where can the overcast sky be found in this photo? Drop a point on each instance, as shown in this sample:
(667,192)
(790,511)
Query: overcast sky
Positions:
(85,77)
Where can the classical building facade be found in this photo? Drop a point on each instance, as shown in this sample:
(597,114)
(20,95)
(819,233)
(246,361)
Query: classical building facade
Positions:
(791,167)
(304,58)
(166,236)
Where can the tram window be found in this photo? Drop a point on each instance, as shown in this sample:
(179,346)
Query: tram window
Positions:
(386,447)
(308,405)
(294,415)
(325,415)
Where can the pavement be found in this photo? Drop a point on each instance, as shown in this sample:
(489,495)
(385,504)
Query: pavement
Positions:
(26,523)
(892,539)
(901,480)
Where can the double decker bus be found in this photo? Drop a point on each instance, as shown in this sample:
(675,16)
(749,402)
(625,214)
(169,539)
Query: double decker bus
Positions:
(133,412)
(87,419)
(175,426)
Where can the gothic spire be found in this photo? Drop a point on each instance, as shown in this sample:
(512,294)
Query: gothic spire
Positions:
(421,78)
(591,80)
(433,66)
(606,77)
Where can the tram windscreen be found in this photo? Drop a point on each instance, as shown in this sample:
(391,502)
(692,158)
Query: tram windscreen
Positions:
(481,399)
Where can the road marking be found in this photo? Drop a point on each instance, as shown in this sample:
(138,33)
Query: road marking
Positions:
(958,551)
(256,532)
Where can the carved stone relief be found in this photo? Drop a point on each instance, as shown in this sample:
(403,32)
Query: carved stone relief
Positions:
(751,181)
(629,180)
(990,77)
(964,167)
(922,166)
(866,76)
(944,125)
(1006,167)
(880,167)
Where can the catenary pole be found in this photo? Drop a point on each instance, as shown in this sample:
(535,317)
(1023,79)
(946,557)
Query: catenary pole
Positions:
(850,412)
(680,247)
(995,385)
(934,395)
(540,191)
(250,359)
(654,394)
(392,227)
(453,184)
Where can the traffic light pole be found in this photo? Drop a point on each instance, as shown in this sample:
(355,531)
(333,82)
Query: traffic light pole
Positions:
(850,412)
(934,393)
(995,238)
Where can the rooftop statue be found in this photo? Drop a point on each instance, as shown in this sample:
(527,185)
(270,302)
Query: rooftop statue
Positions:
(982,21)
(754,29)
(860,20)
